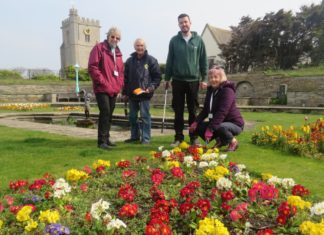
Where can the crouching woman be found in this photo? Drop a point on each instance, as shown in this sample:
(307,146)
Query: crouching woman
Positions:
(224,119)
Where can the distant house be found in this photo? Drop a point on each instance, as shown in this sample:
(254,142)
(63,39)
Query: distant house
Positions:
(213,37)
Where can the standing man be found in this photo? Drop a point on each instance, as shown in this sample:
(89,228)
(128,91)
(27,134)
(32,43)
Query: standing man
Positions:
(142,77)
(187,66)
(106,69)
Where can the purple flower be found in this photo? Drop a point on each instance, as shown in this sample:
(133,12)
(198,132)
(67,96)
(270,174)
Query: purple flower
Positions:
(56,229)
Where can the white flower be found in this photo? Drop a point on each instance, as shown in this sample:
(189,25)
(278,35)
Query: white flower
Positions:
(116,223)
(61,187)
(242,178)
(203,164)
(160,148)
(213,163)
(188,161)
(98,208)
(287,182)
(223,183)
(241,167)
(223,156)
(274,180)
(317,209)
(209,156)
(166,153)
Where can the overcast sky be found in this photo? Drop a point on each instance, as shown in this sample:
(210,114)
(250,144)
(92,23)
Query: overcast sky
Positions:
(31,34)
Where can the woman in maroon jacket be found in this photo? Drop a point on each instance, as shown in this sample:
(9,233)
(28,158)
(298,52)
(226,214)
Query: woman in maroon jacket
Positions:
(224,119)
(106,69)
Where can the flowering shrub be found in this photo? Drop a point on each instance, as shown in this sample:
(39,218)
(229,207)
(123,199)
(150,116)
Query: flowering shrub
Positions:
(22,107)
(186,190)
(308,141)
(70,108)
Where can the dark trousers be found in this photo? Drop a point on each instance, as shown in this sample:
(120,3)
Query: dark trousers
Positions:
(106,105)
(184,91)
(225,132)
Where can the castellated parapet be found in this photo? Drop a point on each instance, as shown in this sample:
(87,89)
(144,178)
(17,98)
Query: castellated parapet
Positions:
(79,35)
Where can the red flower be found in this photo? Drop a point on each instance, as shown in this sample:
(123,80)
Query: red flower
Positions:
(156,227)
(225,206)
(9,199)
(265,232)
(69,207)
(177,172)
(235,215)
(129,174)
(185,207)
(204,206)
(47,195)
(157,176)
(84,187)
(88,217)
(214,192)
(281,220)
(127,192)
(128,210)
(100,169)
(87,169)
(1,207)
(299,190)
(123,164)
(156,194)
(228,195)
(19,184)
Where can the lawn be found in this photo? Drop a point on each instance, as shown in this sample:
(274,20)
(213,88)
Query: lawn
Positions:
(29,154)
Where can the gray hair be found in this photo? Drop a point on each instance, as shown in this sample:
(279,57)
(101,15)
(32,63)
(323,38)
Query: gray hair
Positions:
(113,30)
(140,40)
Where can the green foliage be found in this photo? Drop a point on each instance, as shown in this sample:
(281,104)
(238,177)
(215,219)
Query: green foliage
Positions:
(9,74)
(162,68)
(279,101)
(70,73)
(46,77)
(306,71)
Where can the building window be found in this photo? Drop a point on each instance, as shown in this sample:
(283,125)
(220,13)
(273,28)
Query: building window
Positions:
(87,38)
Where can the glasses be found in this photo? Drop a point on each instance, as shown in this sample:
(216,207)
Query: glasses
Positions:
(115,37)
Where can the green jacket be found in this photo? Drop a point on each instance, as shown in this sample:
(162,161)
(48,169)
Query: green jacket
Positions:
(186,61)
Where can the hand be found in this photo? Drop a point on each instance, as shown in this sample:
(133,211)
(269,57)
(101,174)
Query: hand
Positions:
(208,134)
(203,85)
(167,85)
(193,127)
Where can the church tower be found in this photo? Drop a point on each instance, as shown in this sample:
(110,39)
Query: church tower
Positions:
(79,37)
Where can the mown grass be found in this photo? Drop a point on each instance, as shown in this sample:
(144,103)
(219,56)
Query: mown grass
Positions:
(300,72)
(29,154)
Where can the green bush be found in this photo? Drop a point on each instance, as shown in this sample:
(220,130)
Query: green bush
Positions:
(9,74)
(70,73)
(46,77)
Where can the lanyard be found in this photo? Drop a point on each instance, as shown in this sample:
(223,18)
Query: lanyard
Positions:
(211,100)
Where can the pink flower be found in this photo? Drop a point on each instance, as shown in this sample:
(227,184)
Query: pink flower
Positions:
(235,215)
(84,187)
(9,199)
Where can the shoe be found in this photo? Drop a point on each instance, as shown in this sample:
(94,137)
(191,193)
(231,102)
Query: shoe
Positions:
(131,140)
(104,146)
(175,143)
(194,142)
(111,144)
(232,146)
(218,143)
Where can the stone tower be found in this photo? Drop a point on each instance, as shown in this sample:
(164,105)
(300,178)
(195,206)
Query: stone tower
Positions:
(79,36)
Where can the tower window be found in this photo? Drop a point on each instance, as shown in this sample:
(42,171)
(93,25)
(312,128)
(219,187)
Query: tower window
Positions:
(87,38)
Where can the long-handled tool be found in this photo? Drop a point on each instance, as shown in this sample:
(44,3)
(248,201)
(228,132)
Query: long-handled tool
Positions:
(164,109)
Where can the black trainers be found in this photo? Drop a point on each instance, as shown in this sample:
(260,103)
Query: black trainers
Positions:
(104,146)
(131,140)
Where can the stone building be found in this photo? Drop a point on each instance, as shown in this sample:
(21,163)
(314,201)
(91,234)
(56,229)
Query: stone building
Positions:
(213,37)
(79,35)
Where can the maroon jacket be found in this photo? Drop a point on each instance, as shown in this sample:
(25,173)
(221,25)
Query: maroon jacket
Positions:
(101,69)
(223,108)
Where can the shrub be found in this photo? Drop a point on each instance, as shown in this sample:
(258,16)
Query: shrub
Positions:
(46,77)
(9,74)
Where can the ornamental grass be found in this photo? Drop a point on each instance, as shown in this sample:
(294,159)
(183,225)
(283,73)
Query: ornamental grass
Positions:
(186,190)
(306,141)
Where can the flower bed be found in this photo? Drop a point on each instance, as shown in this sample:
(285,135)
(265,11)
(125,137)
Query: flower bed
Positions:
(309,141)
(22,107)
(186,190)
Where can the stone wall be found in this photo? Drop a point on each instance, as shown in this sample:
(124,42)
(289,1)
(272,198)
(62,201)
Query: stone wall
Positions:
(251,90)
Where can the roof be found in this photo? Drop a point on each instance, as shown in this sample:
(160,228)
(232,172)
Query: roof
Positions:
(221,36)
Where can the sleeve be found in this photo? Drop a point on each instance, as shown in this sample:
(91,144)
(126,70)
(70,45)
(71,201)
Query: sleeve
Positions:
(94,65)
(155,74)
(203,62)
(169,63)
(223,106)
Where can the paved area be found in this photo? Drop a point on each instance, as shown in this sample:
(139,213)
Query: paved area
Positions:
(11,120)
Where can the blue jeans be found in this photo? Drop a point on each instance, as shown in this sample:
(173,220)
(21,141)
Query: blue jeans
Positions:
(140,129)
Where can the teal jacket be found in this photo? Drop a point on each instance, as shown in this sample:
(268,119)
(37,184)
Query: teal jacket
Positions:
(186,61)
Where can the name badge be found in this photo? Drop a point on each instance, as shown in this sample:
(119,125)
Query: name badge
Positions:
(115,73)
(210,115)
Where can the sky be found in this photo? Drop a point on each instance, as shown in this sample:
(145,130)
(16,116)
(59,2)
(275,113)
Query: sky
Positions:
(31,36)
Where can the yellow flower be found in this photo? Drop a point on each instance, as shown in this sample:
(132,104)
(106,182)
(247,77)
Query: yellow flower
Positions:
(184,145)
(298,202)
(310,228)
(266,176)
(171,164)
(75,175)
(23,213)
(176,150)
(49,216)
(216,173)
(100,162)
(31,224)
(211,226)
(1,223)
